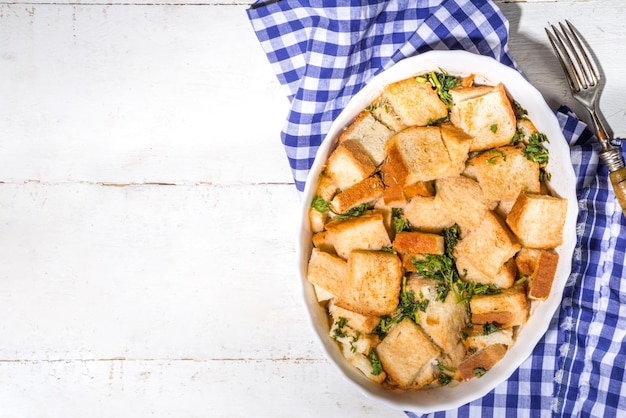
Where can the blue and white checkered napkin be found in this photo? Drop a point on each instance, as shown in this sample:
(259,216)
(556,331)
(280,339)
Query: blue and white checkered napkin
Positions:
(324,53)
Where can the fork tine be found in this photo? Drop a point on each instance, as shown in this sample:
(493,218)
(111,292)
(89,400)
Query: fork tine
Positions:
(561,53)
(589,66)
(565,37)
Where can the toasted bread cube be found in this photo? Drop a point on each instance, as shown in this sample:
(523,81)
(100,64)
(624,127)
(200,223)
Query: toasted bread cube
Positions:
(487,116)
(322,295)
(373,285)
(427,214)
(362,323)
(413,245)
(504,172)
(476,339)
(526,127)
(407,103)
(442,320)
(422,154)
(370,134)
(540,268)
(357,342)
(365,191)
(509,308)
(326,189)
(482,361)
(366,232)
(362,362)
(394,177)
(348,164)
(326,271)
(457,143)
(538,220)
(502,280)
(413,242)
(464,201)
(421,188)
(408,356)
(322,241)
(489,246)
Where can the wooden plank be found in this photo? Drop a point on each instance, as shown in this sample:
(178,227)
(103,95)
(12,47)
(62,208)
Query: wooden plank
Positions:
(181,388)
(150,271)
(164,300)
(124,94)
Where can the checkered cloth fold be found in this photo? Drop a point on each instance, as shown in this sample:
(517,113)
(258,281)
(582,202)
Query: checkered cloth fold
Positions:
(323,53)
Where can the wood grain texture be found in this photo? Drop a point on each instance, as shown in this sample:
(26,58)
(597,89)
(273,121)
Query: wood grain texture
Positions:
(148,214)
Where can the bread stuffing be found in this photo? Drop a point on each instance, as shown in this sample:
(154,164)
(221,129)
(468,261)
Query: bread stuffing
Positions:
(434,231)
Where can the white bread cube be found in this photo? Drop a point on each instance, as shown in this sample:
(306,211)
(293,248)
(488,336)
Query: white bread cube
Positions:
(361,323)
(486,115)
(442,320)
(365,191)
(426,213)
(408,356)
(538,220)
(489,246)
(502,280)
(370,134)
(476,338)
(482,361)
(415,244)
(421,153)
(373,285)
(365,232)
(464,201)
(504,172)
(509,308)
(326,271)
(540,268)
(348,164)
(458,144)
(326,189)
(362,362)
(408,103)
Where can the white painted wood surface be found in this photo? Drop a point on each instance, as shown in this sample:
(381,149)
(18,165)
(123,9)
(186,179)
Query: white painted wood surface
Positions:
(147,212)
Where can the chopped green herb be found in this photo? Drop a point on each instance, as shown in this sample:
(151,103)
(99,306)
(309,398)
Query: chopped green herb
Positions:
(320,205)
(519,134)
(444,379)
(399,222)
(520,112)
(407,307)
(490,328)
(535,149)
(339,332)
(440,268)
(389,250)
(438,121)
(464,335)
(451,236)
(353,213)
(494,128)
(372,107)
(443,83)
(544,175)
(521,280)
(479,371)
(377,367)
(496,154)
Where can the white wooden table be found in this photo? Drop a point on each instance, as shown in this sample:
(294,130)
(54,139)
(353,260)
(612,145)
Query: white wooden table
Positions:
(147,212)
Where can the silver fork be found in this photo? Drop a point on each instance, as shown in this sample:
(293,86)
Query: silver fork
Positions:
(584,82)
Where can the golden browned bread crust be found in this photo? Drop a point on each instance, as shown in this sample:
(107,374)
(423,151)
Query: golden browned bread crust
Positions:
(482,361)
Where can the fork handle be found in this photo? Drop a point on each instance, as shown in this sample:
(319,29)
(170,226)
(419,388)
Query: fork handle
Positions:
(618,180)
